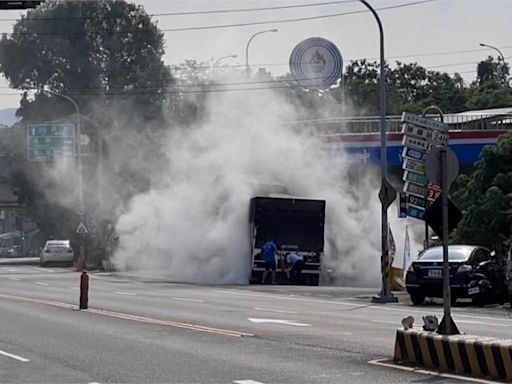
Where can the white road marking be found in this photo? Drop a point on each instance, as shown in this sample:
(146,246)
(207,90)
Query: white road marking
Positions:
(346,333)
(14,278)
(74,288)
(43,269)
(272,310)
(125,293)
(383,363)
(481,323)
(397,323)
(268,296)
(12,270)
(185,299)
(15,357)
(247,382)
(278,321)
(39,283)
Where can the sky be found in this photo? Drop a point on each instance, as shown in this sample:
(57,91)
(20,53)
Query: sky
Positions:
(436,34)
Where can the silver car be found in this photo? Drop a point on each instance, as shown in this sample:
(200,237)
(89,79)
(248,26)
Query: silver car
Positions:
(56,251)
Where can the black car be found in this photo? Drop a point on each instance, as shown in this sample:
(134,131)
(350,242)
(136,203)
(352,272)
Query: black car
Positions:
(425,276)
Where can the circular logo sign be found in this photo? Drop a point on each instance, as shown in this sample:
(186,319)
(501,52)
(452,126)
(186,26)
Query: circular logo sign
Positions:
(316,63)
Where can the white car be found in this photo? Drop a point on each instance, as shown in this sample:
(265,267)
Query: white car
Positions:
(56,251)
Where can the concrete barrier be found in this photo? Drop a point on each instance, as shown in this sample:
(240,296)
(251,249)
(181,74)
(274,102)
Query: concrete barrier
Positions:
(472,355)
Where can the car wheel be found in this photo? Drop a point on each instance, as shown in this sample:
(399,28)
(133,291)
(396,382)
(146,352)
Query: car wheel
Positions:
(41,262)
(417,298)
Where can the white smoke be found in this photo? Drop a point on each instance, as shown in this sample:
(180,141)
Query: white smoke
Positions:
(193,224)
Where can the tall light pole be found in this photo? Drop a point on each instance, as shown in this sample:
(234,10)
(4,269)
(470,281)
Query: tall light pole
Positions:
(81,204)
(249,42)
(496,49)
(216,62)
(385,294)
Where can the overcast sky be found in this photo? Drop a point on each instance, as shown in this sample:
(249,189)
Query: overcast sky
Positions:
(432,34)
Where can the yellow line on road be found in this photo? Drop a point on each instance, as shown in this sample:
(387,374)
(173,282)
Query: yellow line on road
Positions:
(125,316)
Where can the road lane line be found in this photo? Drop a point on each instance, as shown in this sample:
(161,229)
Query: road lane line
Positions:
(14,278)
(15,357)
(125,293)
(273,310)
(247,382)
(43,269)
(397,323)
(423,371)
(39,283)
(481,323)
(74,288)
(12,270)
(268,296)
(186,299)
(125,316)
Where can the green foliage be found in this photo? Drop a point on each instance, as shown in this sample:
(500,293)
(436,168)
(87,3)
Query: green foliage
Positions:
(485,197)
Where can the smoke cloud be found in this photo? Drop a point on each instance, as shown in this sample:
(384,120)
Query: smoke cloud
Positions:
(193,226)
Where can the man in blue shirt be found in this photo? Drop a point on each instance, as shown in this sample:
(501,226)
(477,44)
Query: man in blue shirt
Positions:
(269,251)
(295,263)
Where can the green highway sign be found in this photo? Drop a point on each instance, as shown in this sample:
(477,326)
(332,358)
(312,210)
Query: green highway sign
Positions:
(48,142)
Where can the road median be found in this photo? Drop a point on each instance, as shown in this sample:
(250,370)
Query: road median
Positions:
(476,356)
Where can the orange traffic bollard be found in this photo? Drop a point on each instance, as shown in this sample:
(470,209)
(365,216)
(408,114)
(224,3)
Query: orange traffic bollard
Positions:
(84,290)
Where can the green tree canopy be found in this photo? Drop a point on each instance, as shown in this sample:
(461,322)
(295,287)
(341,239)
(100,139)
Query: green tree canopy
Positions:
(485,197)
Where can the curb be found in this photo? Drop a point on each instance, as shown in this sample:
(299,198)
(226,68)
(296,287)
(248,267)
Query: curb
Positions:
(472,355)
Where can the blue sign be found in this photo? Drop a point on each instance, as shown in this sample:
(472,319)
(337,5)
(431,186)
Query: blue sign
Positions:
(415,212)
(316,63)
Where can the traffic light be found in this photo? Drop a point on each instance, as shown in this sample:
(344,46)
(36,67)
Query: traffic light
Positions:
(12,4)
(402,205)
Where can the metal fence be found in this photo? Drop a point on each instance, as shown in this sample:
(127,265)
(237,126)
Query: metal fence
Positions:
(370,124)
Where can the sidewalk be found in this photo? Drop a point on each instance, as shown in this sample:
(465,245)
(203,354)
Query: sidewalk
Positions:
(19,260)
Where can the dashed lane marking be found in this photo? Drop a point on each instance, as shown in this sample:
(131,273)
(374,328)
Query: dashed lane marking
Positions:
(15,357)
(125,316)
(14,278)
(422,371)
(39,283)
(125,293)
(247,382)
(273,310)
(43,269)
(186,299)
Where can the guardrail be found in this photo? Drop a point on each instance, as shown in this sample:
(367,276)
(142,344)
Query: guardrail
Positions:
(370,124)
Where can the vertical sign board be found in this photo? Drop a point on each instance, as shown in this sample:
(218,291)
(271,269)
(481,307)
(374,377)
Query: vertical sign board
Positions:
(49,142)
(420,135)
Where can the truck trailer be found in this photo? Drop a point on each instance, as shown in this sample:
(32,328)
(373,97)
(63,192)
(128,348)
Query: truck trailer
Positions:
(294,224)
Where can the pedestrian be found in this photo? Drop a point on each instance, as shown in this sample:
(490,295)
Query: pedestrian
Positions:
(295,264)
(269,251)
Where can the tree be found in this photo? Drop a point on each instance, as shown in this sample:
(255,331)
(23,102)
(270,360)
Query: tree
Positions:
(492,71)
(91,50)
(485,197)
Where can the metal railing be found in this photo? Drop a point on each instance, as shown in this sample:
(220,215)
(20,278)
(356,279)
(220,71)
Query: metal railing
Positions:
(370,124)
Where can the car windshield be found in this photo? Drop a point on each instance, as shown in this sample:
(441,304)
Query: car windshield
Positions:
(455,253)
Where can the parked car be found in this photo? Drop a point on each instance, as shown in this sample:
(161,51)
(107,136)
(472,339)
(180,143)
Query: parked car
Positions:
(425,275)
(57,251)
(14,251)
(487,284)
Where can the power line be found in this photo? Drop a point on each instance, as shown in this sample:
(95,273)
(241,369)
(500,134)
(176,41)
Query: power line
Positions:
(213,11)
(465,63)
(220,26)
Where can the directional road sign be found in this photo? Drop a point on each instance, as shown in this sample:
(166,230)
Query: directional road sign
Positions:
(48,142)
(424,122)
(433,136)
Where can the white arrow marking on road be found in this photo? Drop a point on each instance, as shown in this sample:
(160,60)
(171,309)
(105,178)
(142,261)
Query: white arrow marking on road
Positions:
(279,321)
(15,357)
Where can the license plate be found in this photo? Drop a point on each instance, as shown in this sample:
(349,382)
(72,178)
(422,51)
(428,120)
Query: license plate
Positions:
(435,273)
(473,291)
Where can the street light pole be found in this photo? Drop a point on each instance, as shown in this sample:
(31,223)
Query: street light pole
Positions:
(81,207)
(385,294)
(249,42)
(216,62)
(496,49)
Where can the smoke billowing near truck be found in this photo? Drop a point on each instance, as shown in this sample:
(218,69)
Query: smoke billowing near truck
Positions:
(294,224)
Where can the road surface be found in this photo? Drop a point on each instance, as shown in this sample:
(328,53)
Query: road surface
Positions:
(140,328)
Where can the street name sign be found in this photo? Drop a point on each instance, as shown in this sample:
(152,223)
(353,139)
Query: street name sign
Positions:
(420,136)
(424,122)
(49,142)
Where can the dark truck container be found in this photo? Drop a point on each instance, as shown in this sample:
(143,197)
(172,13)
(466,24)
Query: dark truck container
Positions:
(294,224)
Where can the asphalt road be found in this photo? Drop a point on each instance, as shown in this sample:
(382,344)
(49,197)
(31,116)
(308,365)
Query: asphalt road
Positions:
(142,329)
